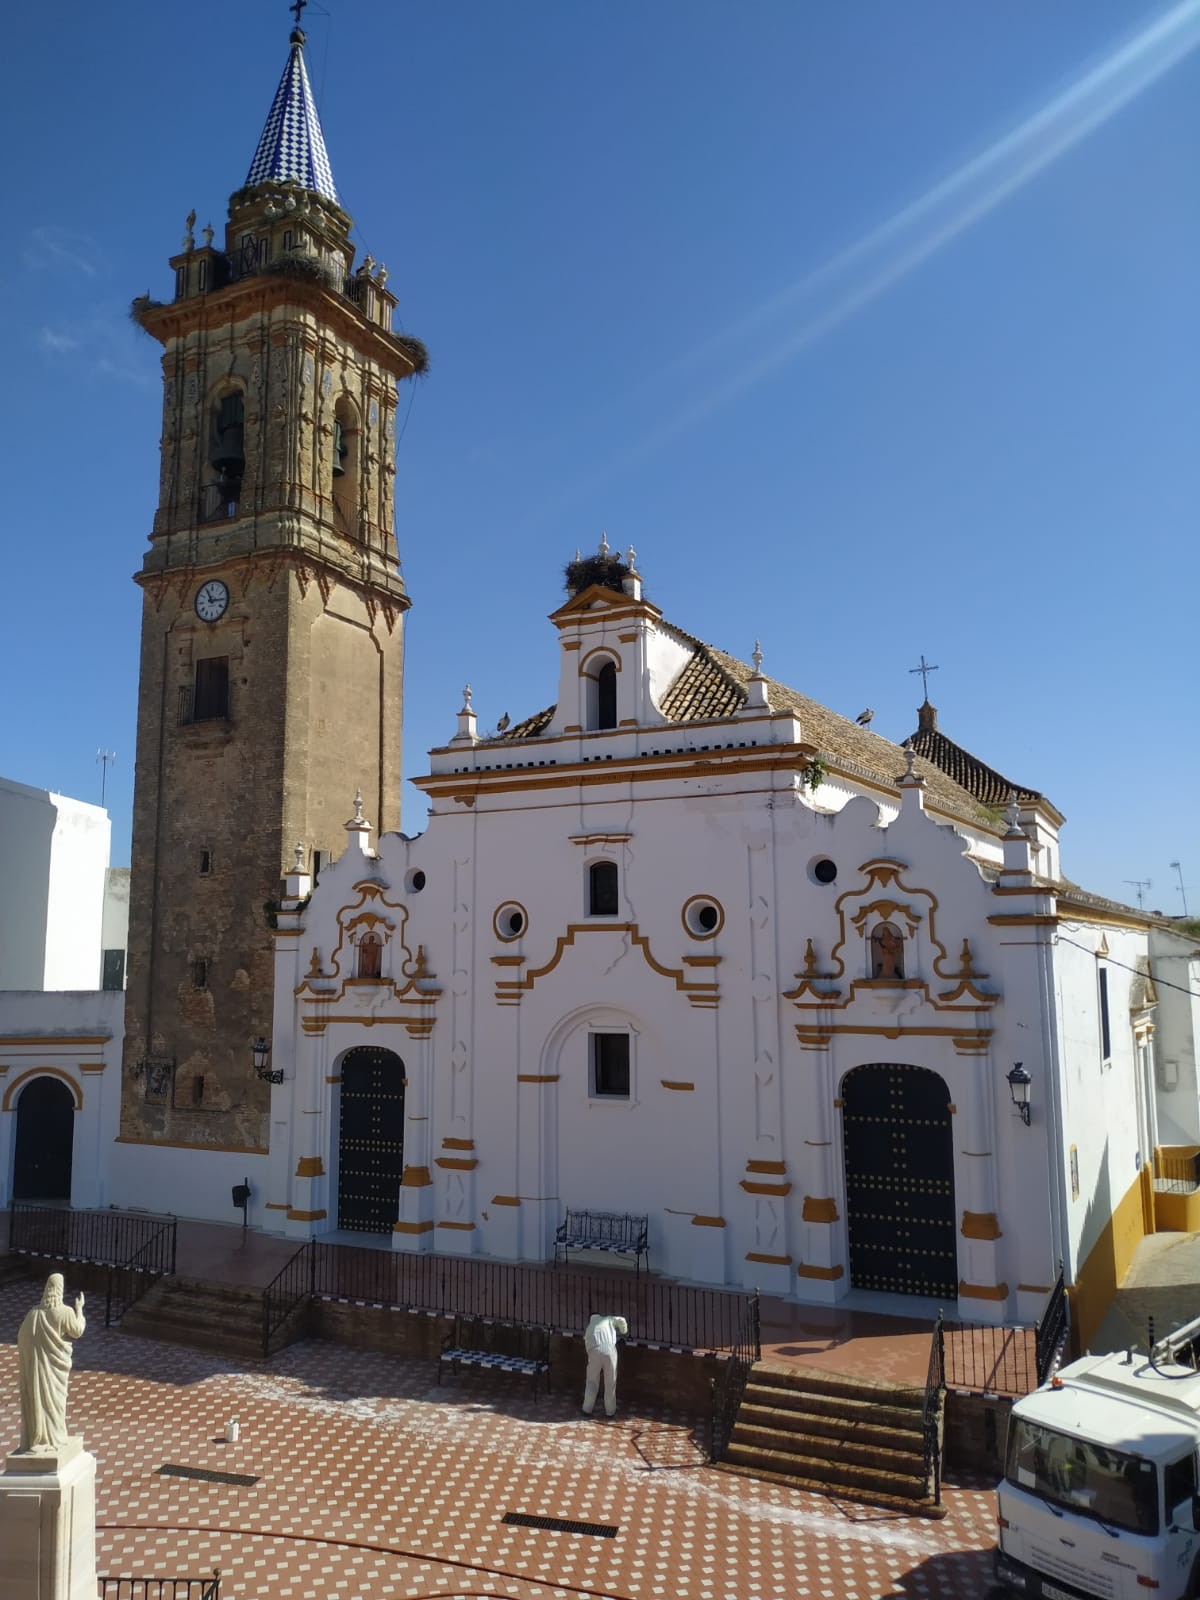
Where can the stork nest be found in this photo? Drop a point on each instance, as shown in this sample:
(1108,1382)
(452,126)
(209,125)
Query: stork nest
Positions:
(609,571)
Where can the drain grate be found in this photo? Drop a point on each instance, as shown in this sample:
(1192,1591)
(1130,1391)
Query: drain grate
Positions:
(598,1530)
(202,1475)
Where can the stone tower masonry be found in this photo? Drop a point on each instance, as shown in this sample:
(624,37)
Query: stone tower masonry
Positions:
(272,619)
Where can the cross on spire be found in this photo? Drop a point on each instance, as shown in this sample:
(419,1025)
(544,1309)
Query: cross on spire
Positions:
(297,8)
(924,669)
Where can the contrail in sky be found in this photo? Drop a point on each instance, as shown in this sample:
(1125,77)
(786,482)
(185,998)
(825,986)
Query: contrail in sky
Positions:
(841,287)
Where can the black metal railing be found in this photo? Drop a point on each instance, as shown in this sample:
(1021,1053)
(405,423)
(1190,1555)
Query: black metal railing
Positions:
(932,1412)
(730,1384)
(160,1588)
(1176,1171)
(990,1360)
(657,1312)
(287,1292)
(1051,1330)
(135,1248)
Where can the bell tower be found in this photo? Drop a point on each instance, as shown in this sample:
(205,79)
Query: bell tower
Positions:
(272,618)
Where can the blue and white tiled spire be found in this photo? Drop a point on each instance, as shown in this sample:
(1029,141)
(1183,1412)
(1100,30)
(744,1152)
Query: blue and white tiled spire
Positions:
(292,147)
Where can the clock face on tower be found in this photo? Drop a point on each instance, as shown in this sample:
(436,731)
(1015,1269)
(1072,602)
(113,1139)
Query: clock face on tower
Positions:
(211,600)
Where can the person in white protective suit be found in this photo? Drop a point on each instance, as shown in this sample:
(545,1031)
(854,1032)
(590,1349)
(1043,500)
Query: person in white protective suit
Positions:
(600,1341)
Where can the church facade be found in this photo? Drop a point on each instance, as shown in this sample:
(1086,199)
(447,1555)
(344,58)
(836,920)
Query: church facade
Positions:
(685,944)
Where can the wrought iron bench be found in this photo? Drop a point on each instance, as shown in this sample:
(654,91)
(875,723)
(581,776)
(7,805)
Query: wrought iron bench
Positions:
(497,1347)
(614,1233)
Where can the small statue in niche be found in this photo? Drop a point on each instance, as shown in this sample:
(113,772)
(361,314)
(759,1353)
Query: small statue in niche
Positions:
(887,952)
(370,956)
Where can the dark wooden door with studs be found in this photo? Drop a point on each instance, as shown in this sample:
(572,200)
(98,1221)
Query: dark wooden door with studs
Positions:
(371,1140)
(899,1149)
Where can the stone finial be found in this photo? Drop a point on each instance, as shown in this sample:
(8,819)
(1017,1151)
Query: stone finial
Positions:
(208,235)
(756,656)
(382,276)
(910,762)
(1012,816)
(189,237)
(578,556)
(298,854)
(631,559)
(603,547)
(467,731)
(757,699)
(358,805)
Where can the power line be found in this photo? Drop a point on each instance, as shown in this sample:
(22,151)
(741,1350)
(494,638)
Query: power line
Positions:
(1159,983)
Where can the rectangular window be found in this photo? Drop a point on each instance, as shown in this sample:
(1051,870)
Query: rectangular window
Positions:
(205,863)
(211,696)
(180,282)
(610,1064)
(199,974)
(1105,1030)
(1179,1485)
(203,284)
(114,969)
(318,863)
(602,889)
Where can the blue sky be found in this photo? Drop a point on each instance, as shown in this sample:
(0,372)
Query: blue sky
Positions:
(873,326)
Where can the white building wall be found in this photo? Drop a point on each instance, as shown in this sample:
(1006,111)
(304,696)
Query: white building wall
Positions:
(53,858)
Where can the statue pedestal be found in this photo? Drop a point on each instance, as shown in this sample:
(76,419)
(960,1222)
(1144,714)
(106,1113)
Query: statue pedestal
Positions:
(48,1524)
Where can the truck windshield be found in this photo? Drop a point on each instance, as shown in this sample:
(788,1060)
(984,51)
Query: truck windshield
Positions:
(1112,1487)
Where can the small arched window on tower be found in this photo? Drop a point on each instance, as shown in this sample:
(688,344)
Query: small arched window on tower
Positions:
(344,463)
(602,695)
(602,889)
(227,458)
(370,956)
(887,953)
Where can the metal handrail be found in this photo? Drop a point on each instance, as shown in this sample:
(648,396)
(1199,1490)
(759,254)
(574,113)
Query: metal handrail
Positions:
(730,1386)
(290,1288)
(160,1588)
(1051,1329)
(931,1411)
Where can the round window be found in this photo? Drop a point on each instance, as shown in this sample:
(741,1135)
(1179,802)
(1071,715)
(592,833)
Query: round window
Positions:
(824,870)
(703,917)
(510,921)
(415,881)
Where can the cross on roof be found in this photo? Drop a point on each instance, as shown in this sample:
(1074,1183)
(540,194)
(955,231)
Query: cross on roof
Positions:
(297,8)
(924,669)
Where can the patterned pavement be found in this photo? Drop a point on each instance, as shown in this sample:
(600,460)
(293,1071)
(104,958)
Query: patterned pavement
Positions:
(373,1481)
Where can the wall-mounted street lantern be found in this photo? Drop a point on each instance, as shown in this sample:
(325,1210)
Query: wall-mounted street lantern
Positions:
(1019,1084)
(261,1051)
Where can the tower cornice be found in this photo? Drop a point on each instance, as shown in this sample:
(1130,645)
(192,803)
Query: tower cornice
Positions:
(400,355)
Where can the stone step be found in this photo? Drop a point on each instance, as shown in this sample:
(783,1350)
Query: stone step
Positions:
(837,1408)
(872,1497)
(218,1318)
(832,1476)
(13,1268)
(905,1454)
(816,1381)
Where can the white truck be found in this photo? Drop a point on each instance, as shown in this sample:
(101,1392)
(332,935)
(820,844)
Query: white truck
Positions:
(1099,1495)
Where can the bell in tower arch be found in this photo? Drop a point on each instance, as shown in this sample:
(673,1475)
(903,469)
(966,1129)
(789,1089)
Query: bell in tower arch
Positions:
(229,451)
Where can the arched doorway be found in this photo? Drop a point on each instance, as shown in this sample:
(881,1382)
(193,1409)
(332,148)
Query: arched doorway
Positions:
(899,1150)
(370,1140)
(45,1135)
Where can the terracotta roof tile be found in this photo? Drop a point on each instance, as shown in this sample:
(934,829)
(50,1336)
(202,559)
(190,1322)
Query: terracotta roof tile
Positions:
(982,783)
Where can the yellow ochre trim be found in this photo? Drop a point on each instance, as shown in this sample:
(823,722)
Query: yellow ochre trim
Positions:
(458,1144)
(462,1227)
(699,1221)
(412,1227)
(537,1077)
(982,1291)
(305,1216)
(310,1167)
(980,1225)
(44,1072)
(669,1083)
(416,1178)
(192,1144)
(826,1274)
(819,1208)
(770,1261)
(766,1188)
(456,1163)
(506,1200)
(779,1167)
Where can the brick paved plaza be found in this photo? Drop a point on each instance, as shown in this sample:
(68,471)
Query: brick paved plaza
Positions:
(372,1481)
